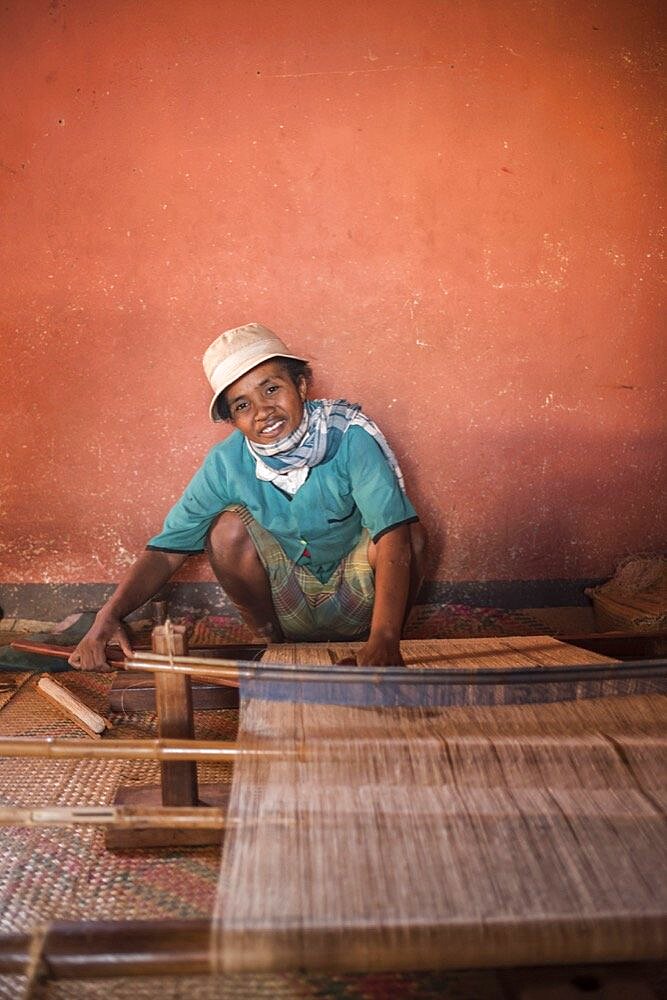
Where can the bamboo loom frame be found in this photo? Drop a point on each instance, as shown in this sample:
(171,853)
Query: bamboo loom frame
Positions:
(109,949)
(112,948)
(228,671)
(123,817)
(150,749)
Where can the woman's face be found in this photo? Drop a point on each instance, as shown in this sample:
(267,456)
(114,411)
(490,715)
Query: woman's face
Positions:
(264,404)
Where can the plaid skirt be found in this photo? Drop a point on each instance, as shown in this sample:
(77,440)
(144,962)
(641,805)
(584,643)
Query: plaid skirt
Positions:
(307,609)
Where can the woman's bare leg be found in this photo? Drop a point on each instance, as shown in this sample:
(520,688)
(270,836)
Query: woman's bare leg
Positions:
(241,575)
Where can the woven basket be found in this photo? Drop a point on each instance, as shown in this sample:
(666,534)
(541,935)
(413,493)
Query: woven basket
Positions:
(635,598)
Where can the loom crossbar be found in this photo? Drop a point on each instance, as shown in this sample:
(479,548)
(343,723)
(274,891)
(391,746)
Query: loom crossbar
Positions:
(107,949)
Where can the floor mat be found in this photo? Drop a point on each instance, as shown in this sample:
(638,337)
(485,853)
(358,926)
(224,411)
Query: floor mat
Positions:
(427,621)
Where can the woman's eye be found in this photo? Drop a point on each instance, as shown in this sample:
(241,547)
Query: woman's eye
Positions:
(239,407)
(271,389)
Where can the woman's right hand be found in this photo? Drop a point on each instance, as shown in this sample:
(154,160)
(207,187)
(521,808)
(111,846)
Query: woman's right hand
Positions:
(91,654)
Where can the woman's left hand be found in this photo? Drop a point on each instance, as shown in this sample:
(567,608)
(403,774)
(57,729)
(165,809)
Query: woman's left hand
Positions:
(392,583)
(377,652)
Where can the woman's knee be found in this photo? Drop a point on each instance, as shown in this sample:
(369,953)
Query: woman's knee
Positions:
(228,537)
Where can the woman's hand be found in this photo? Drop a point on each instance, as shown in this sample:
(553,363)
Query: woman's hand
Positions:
(90,654)
(145,577)
(391,557)
(377,651)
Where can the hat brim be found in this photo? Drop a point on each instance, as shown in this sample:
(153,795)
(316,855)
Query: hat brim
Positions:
(239,373)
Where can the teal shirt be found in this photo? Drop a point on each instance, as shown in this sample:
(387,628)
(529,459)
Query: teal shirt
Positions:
(356,488)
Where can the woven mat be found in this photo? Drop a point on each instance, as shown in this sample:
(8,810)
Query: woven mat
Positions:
(428,621)
(442,621)
(645,981)
(17,680)
(51,873)
(57,874)
(484,985)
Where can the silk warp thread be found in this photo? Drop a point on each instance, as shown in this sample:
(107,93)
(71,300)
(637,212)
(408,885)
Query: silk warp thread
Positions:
(413,838)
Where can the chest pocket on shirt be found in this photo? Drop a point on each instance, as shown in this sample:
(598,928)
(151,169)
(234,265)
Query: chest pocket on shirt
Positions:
(337,520)
(337,506)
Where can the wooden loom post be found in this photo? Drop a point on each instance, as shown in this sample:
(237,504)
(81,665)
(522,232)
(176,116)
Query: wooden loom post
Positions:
(175,717)
(178,779)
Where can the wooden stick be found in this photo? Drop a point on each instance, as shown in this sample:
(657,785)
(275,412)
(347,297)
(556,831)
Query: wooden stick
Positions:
(210,750)
(51,747)
(106,949)
(175,719)
(61,652)
(228,671)
(81,714)
(221,671)
(203,817)
(123,817)
(115,653)
(112,948)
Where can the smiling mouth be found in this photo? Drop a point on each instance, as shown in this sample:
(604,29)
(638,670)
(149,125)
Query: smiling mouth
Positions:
(272,428)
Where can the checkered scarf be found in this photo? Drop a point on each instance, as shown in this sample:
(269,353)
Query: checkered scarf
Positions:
(317,439)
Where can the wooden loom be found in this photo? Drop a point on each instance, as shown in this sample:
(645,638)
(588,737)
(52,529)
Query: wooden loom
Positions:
(416,797)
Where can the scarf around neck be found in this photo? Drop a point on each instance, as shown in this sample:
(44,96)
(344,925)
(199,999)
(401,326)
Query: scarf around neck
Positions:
(315,440)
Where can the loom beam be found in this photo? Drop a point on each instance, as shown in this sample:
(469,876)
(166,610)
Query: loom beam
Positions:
(105,949)
(110,949)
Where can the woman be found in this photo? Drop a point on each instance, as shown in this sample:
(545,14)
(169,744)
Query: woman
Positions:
(302,512)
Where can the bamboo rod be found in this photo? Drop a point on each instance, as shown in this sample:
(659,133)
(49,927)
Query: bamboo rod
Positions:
(203,817)
(114,653)
(228,671)
(118,817)
(107,949)
(132,817)
(220,671)
(336,748)
(198,750)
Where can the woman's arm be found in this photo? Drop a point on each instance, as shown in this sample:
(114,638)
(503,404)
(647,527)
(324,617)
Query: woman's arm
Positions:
(145,577)
(392,554)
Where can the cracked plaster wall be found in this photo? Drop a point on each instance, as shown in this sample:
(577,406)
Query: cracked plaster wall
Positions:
(453,207)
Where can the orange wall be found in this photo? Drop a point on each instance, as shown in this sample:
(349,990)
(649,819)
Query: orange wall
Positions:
(453,206)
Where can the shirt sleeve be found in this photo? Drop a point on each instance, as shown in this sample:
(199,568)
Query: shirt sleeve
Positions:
(381,501)
(187,523)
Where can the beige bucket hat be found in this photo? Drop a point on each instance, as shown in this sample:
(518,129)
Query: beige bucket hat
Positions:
(235,352)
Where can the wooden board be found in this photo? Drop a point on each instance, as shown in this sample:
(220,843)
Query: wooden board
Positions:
(135,692)
(151,795)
